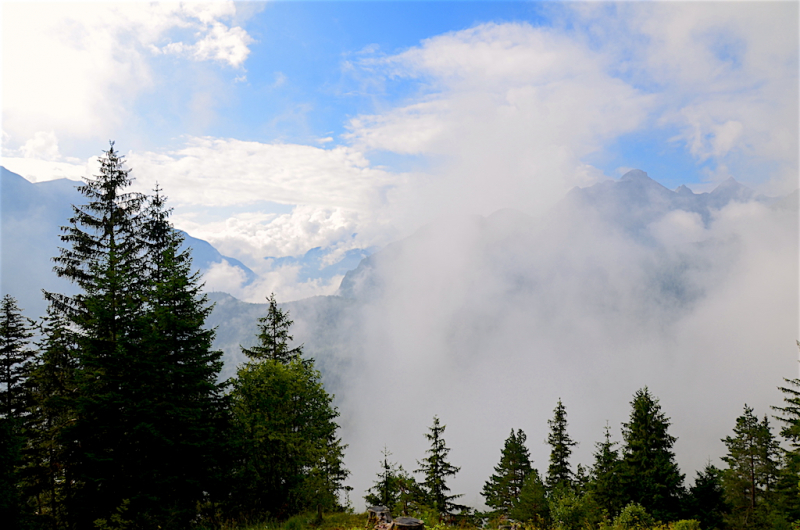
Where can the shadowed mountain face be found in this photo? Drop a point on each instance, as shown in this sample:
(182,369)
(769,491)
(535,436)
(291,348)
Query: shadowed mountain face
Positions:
(30,219)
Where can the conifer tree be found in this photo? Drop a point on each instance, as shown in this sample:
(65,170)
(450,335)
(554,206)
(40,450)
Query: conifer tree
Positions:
(288,456)
(649,474)
(706,500)
(503,489)
(389,488)
(273,336)
(15,359)
(104,257)
(144,378)
(559,472)
(532,505)
(752,473)
(52,384)
(15,363)
(179,400)
(436,469)
(604,485)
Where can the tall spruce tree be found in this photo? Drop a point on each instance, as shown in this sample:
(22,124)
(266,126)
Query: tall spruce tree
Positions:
(436,470)
(752,473)
(288,457)
(15,364)
(178,405)
(144,385)
(15,359)
(559,472)
(503,489)
(649,474)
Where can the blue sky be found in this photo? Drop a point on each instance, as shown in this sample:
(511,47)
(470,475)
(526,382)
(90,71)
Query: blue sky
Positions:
(280,127)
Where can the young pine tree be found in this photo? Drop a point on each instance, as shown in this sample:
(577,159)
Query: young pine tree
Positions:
(559,472)
(388,489)
(436,470)
(503,489)
(752,474)
(649,474)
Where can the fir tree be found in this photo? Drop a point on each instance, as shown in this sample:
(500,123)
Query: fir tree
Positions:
(559,473)
(394,487)
(752,473)
(604,485)
(436,470)
(788,487)
(15,359)
(180,401)
(144,381)
(52,383)
(532,505)
(15,363)
(649,474)
(706,500)
(273,336)
(288,457)
(503,489)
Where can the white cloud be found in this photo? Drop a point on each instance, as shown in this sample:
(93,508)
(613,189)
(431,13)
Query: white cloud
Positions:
(223,172)
(726,76)
(74,68)
(282,281)
(510,113)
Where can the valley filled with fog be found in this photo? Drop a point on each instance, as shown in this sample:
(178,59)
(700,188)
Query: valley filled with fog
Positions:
(486,321)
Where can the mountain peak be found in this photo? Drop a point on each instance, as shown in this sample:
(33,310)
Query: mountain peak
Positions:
(634,175)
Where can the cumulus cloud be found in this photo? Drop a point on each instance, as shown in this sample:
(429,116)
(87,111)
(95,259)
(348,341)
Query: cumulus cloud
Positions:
(74,67)
(510,113)
(725,76)
(224,172)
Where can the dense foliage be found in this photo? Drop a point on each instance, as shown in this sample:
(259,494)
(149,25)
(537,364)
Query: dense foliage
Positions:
(116,418)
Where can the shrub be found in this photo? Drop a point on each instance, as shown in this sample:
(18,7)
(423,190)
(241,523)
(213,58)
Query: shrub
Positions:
(634,517)
(686,524)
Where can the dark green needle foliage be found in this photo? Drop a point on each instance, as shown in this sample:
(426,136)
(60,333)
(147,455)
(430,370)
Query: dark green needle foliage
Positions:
(288,457)
(559,472)
(706,500)
(532,505)
(503,489)
(752,473)
(145,399)
(649,474)
(273,336)
(436,470)
(15,364)
(604,485)
(394,487)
